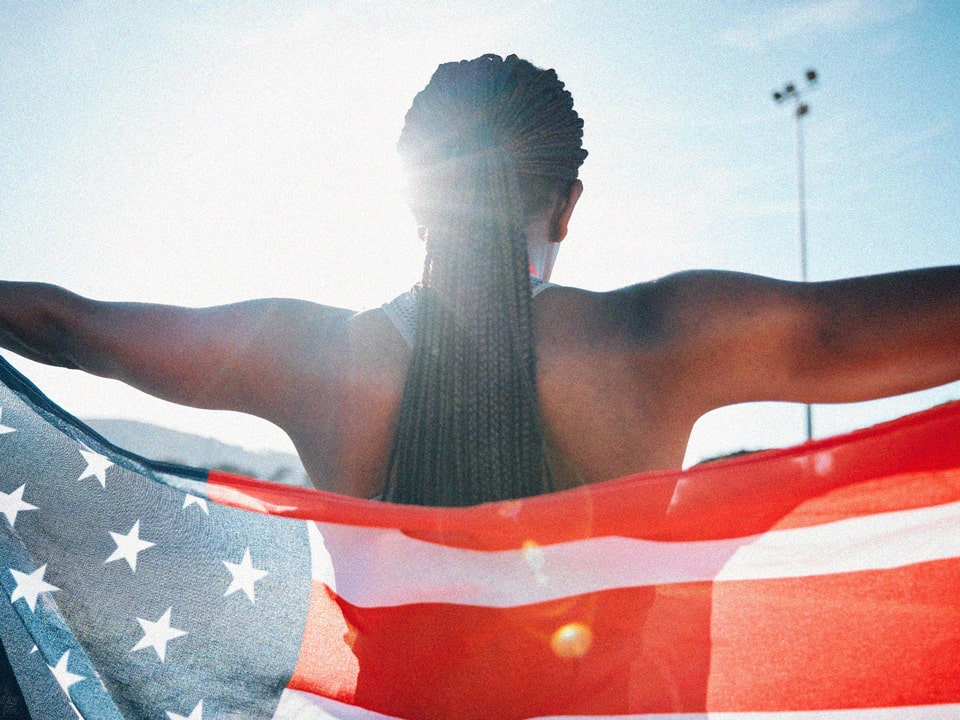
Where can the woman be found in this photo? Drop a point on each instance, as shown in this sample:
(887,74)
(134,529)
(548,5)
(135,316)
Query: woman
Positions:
(482,383)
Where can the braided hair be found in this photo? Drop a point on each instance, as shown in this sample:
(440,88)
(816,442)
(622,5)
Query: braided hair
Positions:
(487,144)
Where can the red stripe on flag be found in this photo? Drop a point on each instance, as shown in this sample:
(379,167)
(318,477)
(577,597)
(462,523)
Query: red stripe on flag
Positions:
(743,496)
(909,491)
(576,655)
(866,639)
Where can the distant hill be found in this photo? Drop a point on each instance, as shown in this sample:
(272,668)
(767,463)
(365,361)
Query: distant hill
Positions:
(159,443)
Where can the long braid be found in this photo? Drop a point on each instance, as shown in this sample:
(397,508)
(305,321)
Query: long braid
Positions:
(487,143)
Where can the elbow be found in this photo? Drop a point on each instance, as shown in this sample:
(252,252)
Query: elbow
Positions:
(36,321)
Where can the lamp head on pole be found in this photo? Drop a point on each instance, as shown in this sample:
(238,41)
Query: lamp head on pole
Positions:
(790,91)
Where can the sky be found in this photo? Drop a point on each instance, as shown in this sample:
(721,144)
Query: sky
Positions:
(203,153)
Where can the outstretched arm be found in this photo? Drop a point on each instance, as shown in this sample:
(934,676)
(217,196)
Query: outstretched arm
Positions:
(246,356)
(744,338)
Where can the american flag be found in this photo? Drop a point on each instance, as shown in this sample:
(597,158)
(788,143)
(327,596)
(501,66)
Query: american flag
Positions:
(802,584)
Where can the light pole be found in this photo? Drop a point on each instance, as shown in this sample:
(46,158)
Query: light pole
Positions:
(791,93)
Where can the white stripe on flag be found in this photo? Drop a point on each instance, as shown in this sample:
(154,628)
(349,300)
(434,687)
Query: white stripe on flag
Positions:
(375,567)
(920,712)
(297,705)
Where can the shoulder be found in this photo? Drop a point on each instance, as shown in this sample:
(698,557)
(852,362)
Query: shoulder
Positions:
(293,328)
(625,316)
(674,310)
(689,299)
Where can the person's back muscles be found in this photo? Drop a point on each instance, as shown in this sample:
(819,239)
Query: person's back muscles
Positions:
(622,376)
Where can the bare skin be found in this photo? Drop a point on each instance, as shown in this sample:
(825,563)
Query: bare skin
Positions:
(623,375)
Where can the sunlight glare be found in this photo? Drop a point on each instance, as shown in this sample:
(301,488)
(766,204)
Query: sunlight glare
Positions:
(572,640)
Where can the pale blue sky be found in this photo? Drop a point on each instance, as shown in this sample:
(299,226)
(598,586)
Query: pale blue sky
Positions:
(199,153)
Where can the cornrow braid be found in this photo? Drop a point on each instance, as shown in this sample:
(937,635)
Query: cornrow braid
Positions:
(487,143)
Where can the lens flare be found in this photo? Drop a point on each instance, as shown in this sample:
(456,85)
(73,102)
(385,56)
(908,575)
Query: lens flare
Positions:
(572,640)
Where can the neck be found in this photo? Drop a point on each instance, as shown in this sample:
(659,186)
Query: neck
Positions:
(541,251)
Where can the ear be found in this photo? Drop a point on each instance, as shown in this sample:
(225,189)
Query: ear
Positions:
(561,216)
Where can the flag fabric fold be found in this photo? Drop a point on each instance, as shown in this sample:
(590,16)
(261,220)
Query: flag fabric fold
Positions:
(815,582)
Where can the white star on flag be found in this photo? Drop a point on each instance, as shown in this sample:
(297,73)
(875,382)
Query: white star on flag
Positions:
(97,466)
(128,546)
(195,714)
(12,503)
(64,677)
(189,500)
(3,428)
(244,576)
(157,635)
(29,586)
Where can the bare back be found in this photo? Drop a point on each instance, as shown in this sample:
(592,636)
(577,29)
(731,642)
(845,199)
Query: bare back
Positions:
(602,384)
